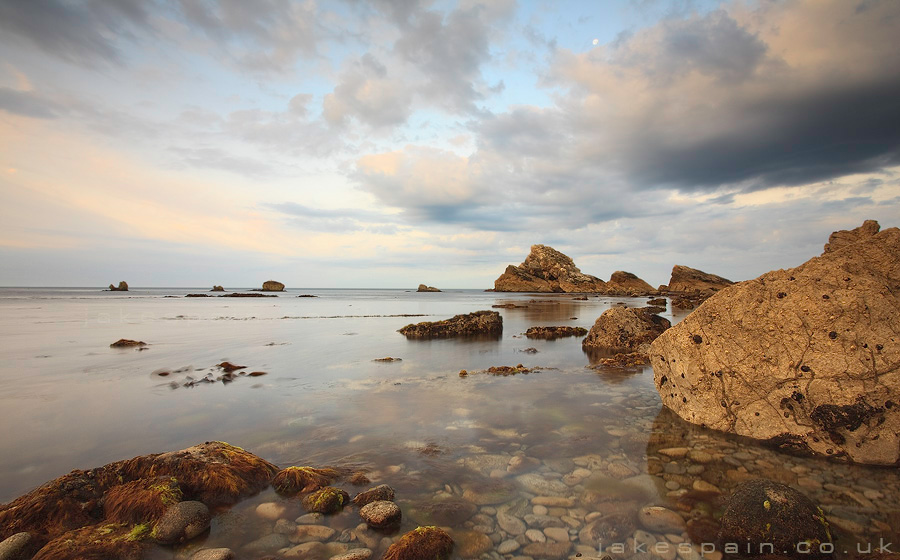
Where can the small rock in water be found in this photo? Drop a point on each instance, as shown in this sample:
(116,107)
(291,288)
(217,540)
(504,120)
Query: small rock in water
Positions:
(270,510)
(355,554)
(213,554)
(381,514)
(14,547)
(661,520)
(182,522)
(311,533)
(378,493)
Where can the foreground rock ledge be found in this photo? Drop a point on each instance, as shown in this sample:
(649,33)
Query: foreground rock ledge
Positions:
(806,358)
(479,323)
(110,511)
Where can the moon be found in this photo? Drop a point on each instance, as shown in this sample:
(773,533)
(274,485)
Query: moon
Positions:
(596,41)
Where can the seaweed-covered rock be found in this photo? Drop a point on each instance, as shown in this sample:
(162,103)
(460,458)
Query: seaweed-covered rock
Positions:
(141,501)
(272,286)
(380,492)
(485,323)
(547,270)
(552,333)
(128,343)
(182,522)
(326,500)
(422,543)
(214,473)
(381,514)
(761,512)
(294,480)
(121,542)
(625,329)
(804,358)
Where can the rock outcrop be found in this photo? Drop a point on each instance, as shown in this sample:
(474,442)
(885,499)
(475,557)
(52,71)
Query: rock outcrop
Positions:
(547,270)
(122,287)
(626,283)
(483,323)
(690,280)
(806,358)
(217,289)
(424,288)
(842,238)
(272,286)
(552,333)
(625,329)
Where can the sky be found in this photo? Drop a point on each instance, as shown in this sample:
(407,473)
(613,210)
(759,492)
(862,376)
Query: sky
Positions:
(390,143)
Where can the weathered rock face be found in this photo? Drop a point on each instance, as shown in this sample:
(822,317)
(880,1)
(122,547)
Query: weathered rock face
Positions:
(805,358)
(272,286)
(842,238)
(688,280)
(485,323)
(625,329)
(547,270)
(627,283)
(122,287)
(424,288)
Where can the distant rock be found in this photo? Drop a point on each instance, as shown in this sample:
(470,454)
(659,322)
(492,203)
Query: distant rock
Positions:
(123,287)
(690,280)
(804,358)
(552,333)
(625,329)
(247,294)
(547,270)
(127,343)
(627,283)
(842,238)
(217,289)
(272,286)
(197,295)
(486,323)
(424,288)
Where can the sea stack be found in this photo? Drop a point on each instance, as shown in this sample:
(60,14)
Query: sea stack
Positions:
(122,287)
(804,358)
(547,270)
(272,286)
(424,288)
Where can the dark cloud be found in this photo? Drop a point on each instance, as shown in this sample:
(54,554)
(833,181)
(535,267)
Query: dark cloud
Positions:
(83,32)
(27,104)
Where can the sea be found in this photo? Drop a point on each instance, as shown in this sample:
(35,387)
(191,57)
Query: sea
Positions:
(594,437)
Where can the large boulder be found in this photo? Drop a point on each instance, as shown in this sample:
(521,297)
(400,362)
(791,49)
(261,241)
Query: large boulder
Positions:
(272,286)
(485,323)
(805,358)
(547,270)
(628,284)
(625,329)
(690,280)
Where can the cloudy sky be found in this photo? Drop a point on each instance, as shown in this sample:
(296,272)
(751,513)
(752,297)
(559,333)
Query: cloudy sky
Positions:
(341,143)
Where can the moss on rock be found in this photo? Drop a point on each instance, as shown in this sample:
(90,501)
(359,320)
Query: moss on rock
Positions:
(326,500)
(422,543)
(293,480)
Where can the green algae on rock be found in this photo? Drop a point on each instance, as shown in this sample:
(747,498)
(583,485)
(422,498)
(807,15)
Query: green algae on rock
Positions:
(326,500)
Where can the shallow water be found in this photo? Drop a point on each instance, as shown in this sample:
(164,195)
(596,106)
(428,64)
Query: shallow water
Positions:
(70,401)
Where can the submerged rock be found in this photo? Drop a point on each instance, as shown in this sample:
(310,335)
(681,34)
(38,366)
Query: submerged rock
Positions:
(762,513)
(272,286)
(552,333)
(424,288)
(690,280)
(326,500)
(182,522)
(122,287)
(547,270)
(625,329)
(803,358)
(478,323)
(422,543)
(381,514)
(382,492)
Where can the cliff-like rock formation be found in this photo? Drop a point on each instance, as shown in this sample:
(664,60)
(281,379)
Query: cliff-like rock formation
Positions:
(626,283)
(122,287)
(272,286)
(690,280)
(626,330)
(842,238)
(806,358)
(547,270)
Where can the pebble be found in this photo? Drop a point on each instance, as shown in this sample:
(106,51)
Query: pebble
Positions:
(702,486)
(557,534)
(270,510)
(510,523)
(539,510)
(213,554)
(285,527)
(508,546)
(309,533)
(535,536)
(380,514)
(309,519)
(14,546)
(551,501)
(661,520)
(355,554)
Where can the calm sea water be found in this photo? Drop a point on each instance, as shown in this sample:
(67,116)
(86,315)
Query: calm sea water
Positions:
(70,401)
